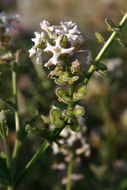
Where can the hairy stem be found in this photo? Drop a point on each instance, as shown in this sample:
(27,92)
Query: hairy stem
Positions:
(104,49)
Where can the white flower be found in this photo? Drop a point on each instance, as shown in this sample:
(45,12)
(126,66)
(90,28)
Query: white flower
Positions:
(32,51)
(57,50)
(38,38)
(70,30)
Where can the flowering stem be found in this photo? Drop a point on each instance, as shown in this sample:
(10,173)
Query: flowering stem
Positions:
(70,85)
(69,175)
(104,49)
(17,124)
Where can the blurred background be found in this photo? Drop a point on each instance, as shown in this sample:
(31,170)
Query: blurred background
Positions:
(105,102)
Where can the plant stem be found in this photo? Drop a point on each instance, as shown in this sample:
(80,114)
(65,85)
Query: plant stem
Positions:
(17,124)
(8,158)
(7,152)
(69,174)
(36,156)
(104,49)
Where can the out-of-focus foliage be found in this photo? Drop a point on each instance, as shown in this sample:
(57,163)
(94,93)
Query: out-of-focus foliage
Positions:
(105,102)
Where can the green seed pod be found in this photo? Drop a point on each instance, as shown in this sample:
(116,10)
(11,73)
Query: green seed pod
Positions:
(79,111)
(56,117)
(68,113)
(64,76)
(59,81)
(56,113)
(66,99)
(73,79)
(60,92)
(79,93)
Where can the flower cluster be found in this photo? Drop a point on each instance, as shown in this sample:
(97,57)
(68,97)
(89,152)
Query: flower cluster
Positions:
(8,28)
(58,40)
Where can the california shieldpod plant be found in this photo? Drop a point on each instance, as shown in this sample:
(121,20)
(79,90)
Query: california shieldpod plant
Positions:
(57,48)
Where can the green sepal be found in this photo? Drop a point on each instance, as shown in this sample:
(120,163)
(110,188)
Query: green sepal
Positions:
(99,38)
(41,132)
(4,171)
(111,25)
(45,119)
(75,126)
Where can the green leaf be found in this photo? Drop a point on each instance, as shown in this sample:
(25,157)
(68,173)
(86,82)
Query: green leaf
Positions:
(4,172)
(99,37)
(111,25)
(100,66)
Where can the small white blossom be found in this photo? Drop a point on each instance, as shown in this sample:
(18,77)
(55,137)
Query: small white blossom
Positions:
(70,30)
(52,36)
(38,38)
(32,51)
(57,50)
